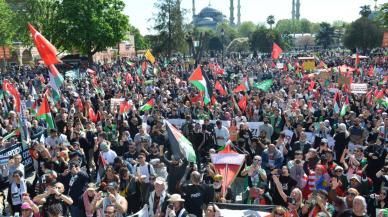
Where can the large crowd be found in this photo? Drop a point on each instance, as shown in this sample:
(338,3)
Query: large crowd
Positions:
(102,158)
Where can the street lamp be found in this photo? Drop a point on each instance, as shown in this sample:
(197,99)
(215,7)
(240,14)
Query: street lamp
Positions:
(222,42)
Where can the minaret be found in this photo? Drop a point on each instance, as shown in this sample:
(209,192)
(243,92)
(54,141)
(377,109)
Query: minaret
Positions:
(297,11)
(231,16)
(193,10)
(238,12)
(293,10)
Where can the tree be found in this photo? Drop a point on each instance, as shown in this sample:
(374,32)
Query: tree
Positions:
(246,29)
(42,14)
(288,25)
(325,35)
(214,43)
(140,42)
(305,26)
(365,11)
(287,40)
(238,45)
(6,27)
(169,25)
(230,32)
(262,39)
(364,34)
(90,28)
(271,20)
(383,15)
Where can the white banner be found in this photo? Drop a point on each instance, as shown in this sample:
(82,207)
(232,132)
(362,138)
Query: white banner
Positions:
(359,88)
(253,126)
(230,158)
(238,213)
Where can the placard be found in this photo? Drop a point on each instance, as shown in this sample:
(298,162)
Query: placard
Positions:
(359,88)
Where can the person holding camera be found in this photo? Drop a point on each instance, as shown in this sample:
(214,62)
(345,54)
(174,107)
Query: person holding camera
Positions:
(54,195)
(293,202)
(157,201)
(287,184)
(103,200)
(317,205)
(176,207)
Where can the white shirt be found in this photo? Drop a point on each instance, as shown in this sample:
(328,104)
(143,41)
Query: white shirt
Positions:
(109,156)
(143,170)
(224,133)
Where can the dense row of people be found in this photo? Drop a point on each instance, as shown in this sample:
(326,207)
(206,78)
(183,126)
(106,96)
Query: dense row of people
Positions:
(113,163)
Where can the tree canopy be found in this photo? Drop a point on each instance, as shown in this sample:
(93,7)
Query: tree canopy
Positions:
(364,34)
(325,35)
(6,28)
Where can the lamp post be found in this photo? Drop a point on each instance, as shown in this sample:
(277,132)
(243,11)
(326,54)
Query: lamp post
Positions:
(222,51)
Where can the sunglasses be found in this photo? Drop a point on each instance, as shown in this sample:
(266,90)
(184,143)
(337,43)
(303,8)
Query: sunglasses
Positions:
(350,194)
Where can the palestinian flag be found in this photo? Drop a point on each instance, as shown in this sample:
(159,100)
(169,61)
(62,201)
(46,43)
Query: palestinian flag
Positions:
(56,79)
(44,113)
(200,82)
(179,144)
(344,107)
(371,71)
(148,105)
(335,101)
(264,86)
(383,102)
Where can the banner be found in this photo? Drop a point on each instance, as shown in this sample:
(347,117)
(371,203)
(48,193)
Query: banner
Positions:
(114,102)
(359,88)
(279,65)
(254,126)
(8,152)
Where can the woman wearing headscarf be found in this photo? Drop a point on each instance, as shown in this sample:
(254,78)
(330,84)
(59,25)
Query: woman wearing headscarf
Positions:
(341,138)
(16,189)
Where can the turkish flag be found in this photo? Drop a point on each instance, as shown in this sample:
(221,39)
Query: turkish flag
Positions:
(243,103)
(276,51)
(219,87)
(46,50)
(8,87)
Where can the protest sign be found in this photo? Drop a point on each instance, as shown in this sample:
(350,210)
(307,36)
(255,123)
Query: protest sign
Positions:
(359,88)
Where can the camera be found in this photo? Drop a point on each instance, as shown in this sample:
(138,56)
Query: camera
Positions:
(291,200)
(297,161)
(170,206)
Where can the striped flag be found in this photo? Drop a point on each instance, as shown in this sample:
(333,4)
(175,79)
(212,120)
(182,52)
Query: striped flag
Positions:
(199,81)
(148,105)
(180,144)
(44,113)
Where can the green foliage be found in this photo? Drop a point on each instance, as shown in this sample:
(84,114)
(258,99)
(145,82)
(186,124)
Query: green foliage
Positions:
(383,15)
(325,35)
(364,34)
(365,11)
(287,40)
(262,39)
(296,26)
(230,32)
(169,25)
(90,28)
(214,43)
(42,14)
(6,27)
(271,20)
(246,29)
(140,42)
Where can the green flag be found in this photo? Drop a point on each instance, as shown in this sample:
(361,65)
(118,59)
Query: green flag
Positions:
(264,86)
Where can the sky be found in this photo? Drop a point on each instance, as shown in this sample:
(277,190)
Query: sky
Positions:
(140,12)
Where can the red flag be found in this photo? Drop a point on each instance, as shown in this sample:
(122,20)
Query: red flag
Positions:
(219,87)
(213,100)
(46,50)
(144,66)
(379,94)
(239,88)
(285,67)
(321,64)
(357,60)
(128,78)
(371,71)
(79,104)
(198,98)
(273,65)
(124,107)
(276,51)
(243,103)
(92,115)
(8,87)
(312,85)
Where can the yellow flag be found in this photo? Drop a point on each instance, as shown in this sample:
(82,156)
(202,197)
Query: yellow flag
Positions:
(149,56)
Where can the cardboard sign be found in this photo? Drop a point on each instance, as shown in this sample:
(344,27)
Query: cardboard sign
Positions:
(325,75)
(359,88)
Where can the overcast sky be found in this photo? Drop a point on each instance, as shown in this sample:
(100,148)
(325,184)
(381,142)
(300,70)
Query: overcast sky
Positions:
(256,11)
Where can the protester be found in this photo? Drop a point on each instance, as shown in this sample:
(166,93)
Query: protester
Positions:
(300,151)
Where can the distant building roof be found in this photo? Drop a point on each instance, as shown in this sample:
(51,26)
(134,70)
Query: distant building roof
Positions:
(208,17)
